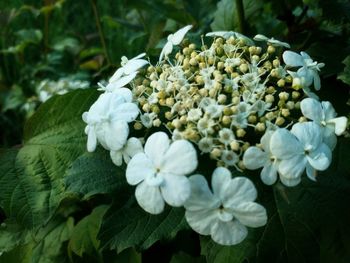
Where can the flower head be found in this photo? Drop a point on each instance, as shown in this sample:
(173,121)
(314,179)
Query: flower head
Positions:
(159,172)
(224,213)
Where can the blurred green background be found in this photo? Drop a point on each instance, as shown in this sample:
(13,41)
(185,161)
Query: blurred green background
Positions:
(52,46)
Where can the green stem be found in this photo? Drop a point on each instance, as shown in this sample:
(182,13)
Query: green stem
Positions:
(240,15)
(100,32)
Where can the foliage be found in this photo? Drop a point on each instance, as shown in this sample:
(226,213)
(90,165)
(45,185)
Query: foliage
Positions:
(62,204)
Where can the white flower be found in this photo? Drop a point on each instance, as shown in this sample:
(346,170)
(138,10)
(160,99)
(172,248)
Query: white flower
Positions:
(107,120)
(206,144)
(194,114)
(159,172)
(299,149)
(147,119)
(226,136)
(228,34)
(309,68)
(131,148)
(232,62)
(255,158)
(225,213)
(230,158)
(173,40)
(272,41)
(126,73)
(324,114)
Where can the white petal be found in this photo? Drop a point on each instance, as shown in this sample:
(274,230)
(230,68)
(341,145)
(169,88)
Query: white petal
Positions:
(254,158)
(113,86)
(92,140)
(228,233)
(156,146)
(175,189)
(201,197)
(178,36)
(167,49)
(329,137)
(134,65)
(139,167)
(317,81)
(149,198)
(201,221)
(311,172)
(292,59)
(308,133)
(119,72)
(250,214)
(265,141)
(284,145)
(260,37)
(239,190)
(133,146)
(321,158)
(124,93)
(269,174)
(219,181)
(117,157)
(290,182)
(293,168)
(340,124)
(115,135)
(329,111)
(312,109)
(126,112)
(181,158)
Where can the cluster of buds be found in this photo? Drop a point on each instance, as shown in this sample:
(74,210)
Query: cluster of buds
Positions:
(217,96)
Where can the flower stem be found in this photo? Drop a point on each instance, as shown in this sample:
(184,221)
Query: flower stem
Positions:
(240,15)
(100,32)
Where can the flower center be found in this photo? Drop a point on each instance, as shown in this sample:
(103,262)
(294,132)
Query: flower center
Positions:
(155,179)
(224,215)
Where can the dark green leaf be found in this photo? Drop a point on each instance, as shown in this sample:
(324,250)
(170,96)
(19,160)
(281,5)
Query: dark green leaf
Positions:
(129,226)
(84,234)
(54,139)
(94,173)
(182,257)
(345,75)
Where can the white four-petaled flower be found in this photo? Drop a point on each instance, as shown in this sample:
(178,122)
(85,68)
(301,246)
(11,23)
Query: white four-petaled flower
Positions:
(224,213)
(160,172)
(308,70)
(107,120)
(324,114)
(300,148)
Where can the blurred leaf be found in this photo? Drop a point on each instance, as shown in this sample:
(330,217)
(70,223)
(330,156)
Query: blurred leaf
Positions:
(182,257)
(84,234)
(94,173)
(11,236)
(70,44)
(345,75)
(130,226)
(54,138)
(129,255)
(14,98)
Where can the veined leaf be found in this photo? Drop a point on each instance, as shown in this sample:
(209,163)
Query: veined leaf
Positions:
(54,137)
(129,226)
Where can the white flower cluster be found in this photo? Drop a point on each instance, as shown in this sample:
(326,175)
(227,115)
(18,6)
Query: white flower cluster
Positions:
(219,100)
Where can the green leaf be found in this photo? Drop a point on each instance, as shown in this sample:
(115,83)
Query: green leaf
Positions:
(345,75)
(226,16)
(54,138)
(84,234)
(44,245)
(11,236)
(244,251)
(95,173)
(129,226)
